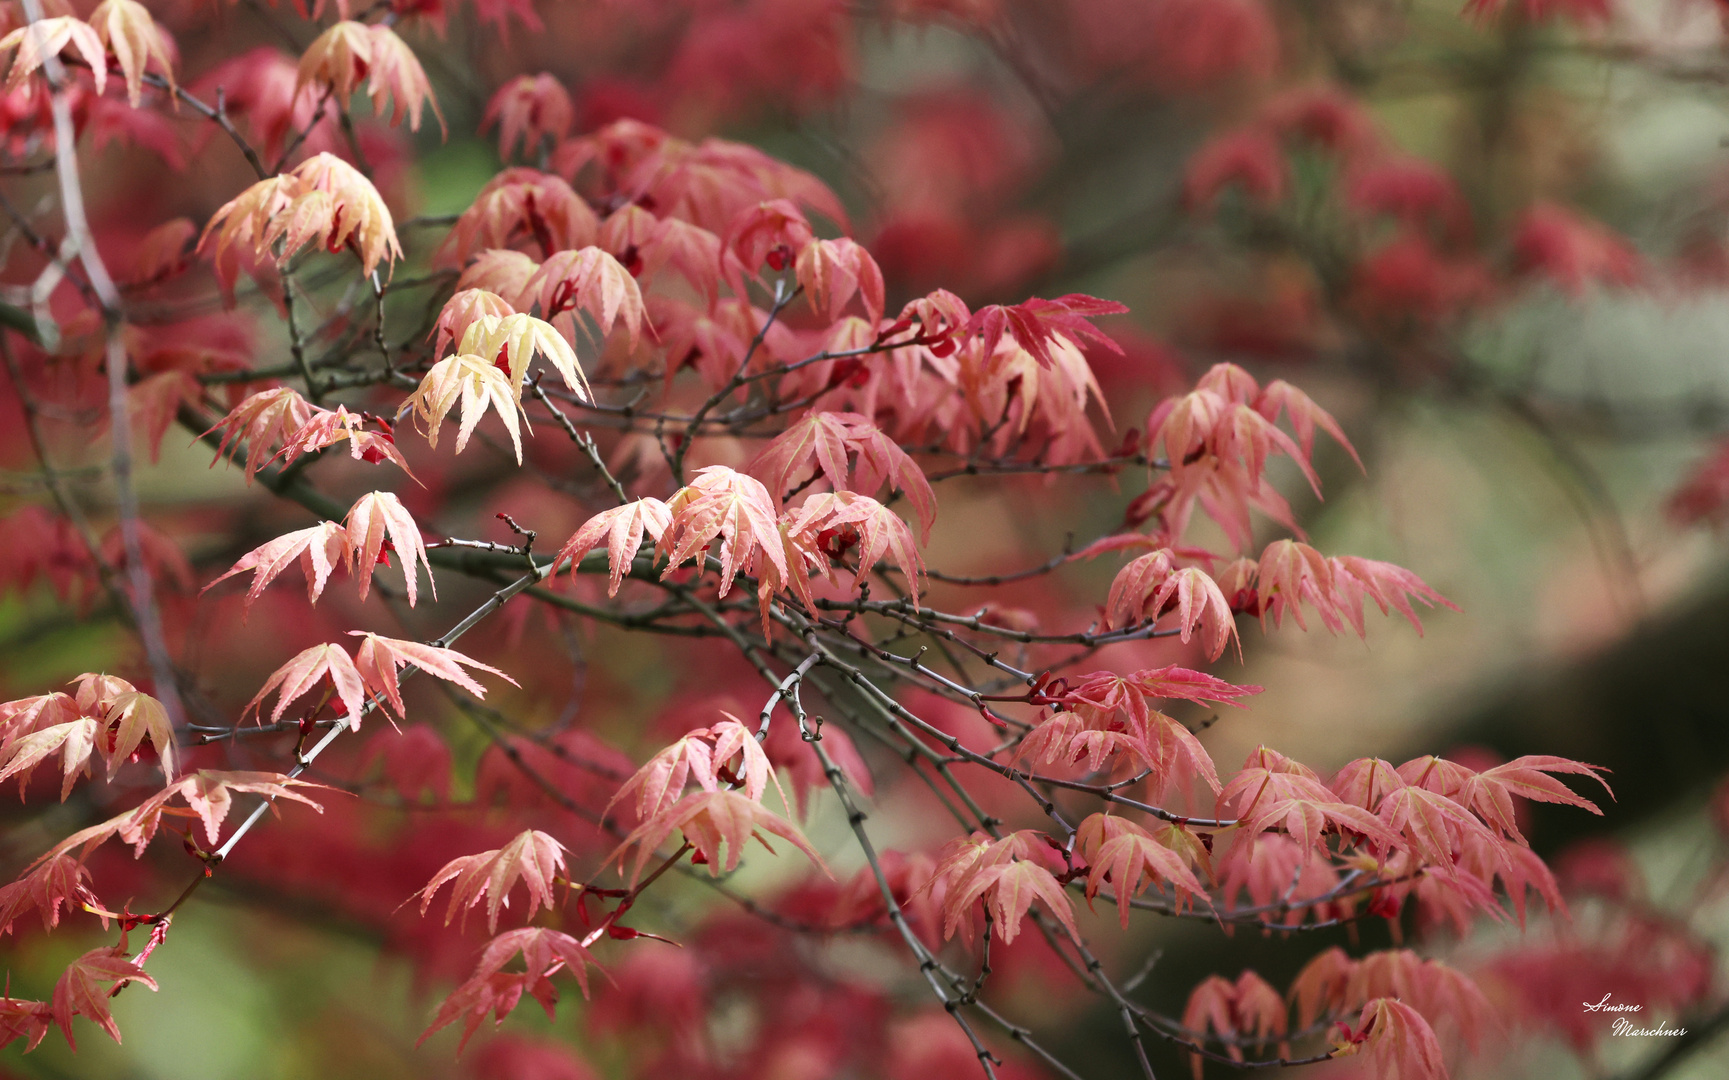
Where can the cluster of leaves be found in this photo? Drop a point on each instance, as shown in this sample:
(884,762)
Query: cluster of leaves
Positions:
(104,713)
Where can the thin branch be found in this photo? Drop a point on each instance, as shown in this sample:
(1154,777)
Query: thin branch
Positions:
(782,297)
(493,603)
(119,415)
(581,438)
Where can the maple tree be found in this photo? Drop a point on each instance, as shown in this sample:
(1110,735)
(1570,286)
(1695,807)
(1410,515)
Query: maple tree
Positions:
(717,450)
